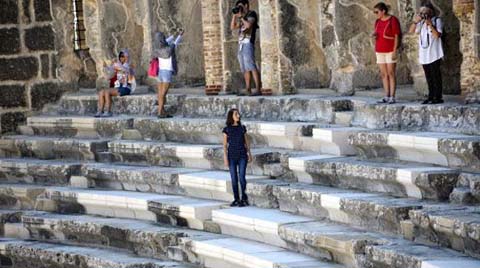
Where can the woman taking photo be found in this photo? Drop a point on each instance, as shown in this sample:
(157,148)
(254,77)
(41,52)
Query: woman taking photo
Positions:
(236,154)
(387,35)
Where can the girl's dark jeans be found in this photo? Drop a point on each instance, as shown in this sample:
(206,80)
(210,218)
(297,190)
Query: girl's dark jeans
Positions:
(237,172)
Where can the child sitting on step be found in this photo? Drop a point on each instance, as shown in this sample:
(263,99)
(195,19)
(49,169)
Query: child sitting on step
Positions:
(236,148)
(122,83)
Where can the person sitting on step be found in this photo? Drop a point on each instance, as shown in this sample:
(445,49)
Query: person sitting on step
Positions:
(122,83)
(236,154)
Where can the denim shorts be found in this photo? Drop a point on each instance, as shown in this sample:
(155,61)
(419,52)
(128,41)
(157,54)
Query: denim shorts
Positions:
(165,76)
(123,91)
(246,57)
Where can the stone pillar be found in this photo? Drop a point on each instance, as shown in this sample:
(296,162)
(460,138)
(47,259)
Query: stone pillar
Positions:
(276,67)
(470,69)
(212,46)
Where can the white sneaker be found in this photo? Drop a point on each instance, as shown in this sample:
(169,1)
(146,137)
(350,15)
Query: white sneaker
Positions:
(391,100)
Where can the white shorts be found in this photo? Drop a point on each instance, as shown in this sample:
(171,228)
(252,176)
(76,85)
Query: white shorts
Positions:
(385,58)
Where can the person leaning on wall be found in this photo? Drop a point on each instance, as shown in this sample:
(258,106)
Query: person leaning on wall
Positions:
(429,28)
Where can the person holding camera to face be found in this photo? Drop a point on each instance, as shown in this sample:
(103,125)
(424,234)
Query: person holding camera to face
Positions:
(246,22)
(429,28)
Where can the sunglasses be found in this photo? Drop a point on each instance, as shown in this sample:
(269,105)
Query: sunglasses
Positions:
(376,12)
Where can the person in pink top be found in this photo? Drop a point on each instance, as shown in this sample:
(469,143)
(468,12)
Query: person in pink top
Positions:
(387,39)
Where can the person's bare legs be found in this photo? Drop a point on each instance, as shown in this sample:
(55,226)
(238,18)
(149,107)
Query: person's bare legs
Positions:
(101,100)
(392,79)
(385,81)
(109,93)
(248,78)
(159,98)
(162,95)
(258,82)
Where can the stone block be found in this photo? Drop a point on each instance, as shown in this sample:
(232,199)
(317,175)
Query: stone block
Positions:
(10,41)
(42,94)
(27,16)
(40,38)
(21,68)
(45,65)
(42,10)
(9,11)
(10,121)
(13,96)
(335,140)
(81,182)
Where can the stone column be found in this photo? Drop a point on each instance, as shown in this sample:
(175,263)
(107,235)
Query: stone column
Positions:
(276,67)
(212,46)
(470,69)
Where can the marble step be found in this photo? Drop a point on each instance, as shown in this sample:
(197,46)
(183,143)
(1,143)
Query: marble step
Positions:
(415,180)
(456,227)
(334,140)
(202,156)
(240,253)
(79,126)
(31,254)
(216,185)
(370,211)
(156,241)
(287,135)
(343,118)
(172,209)
(452,150)
(278,108)
(330,241)
(162,180)
(20,196)
(51,148)
(49,172)
(467,190)
(447,117)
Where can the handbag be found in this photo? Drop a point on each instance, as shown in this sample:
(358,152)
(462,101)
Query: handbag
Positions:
(153,69)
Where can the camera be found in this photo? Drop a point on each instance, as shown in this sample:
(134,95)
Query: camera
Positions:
(237,9)
(424,16)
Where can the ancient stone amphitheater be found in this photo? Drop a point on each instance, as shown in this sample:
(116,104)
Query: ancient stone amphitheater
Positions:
(335,182)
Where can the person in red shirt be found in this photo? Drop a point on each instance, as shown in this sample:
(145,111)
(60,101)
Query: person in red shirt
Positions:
(387,35)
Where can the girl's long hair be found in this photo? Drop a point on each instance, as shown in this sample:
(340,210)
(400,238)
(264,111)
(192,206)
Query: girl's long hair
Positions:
(230,120)
(382,6)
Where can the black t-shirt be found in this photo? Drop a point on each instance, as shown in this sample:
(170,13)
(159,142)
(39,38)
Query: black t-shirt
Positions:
(252,17)
(236,141)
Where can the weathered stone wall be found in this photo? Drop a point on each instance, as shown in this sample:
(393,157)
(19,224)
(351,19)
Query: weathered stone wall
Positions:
(37,61)
(117,24)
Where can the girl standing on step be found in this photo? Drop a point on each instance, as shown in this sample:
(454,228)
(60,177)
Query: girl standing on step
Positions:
(236,155)
(387,39)
(165,55)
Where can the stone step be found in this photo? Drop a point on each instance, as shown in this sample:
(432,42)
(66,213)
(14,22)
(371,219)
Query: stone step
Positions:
(334,140)
(287,135)
(456,227)
(172,209)
(239,253)
(30,254)
(402,180)
(79,126)
(453,150)
(163,180)
(156,241)
(215,185)
(447,117)
(278,108)
(51,148)
(467,190)
(370,211)
(338,243)
(185,155)
(17,196)
(33,171)
(343,118)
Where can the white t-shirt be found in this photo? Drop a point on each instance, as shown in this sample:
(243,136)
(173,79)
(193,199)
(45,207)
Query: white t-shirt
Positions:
(165,64)
(430,48)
